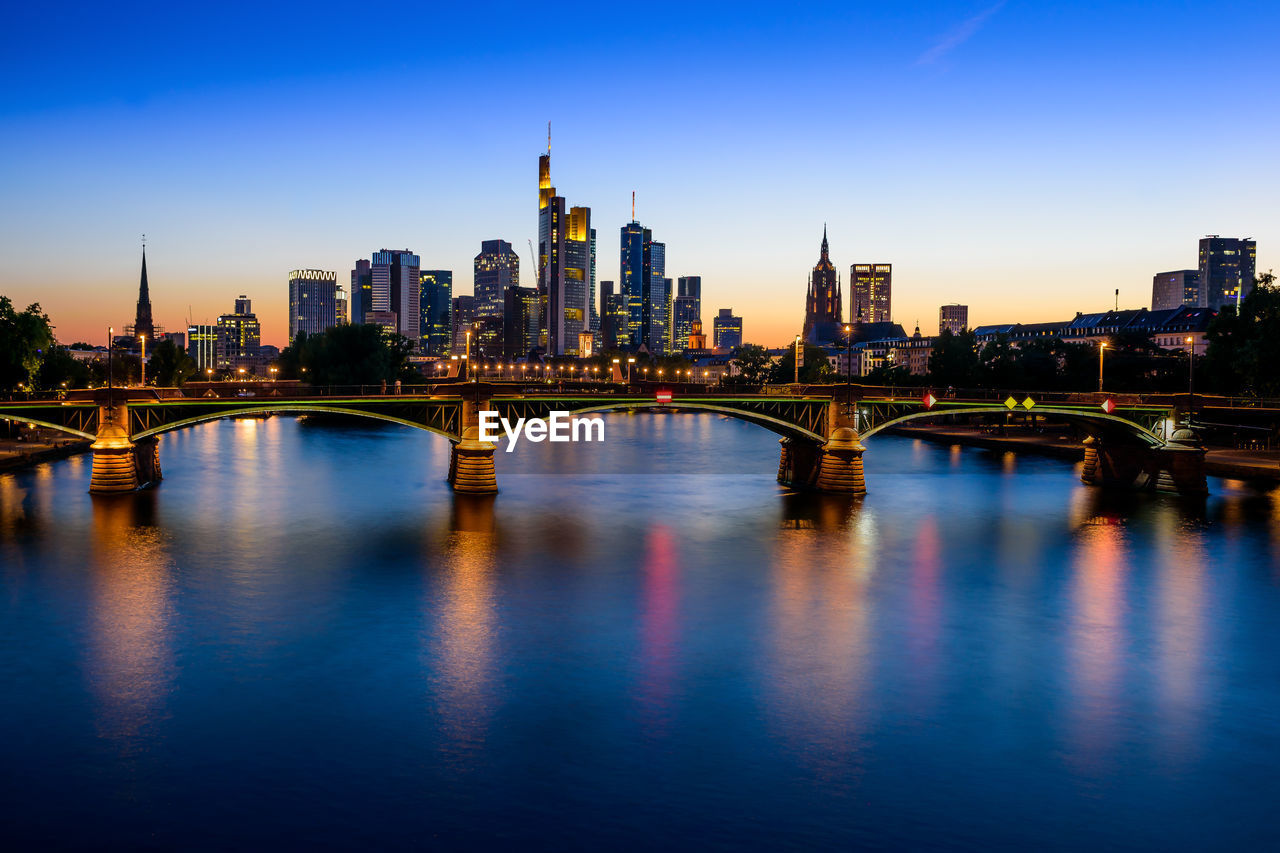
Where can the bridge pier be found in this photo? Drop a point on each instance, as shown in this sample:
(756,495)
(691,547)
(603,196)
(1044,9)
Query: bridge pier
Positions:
(1176,467)
(146,460)
(840,470)
(471,468)
(114,468)
(799,462)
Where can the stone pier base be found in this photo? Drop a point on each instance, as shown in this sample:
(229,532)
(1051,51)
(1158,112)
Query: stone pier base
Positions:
(1177,467)
(840,470)
(798,463)
(146,461)
(114,468)
(471,468)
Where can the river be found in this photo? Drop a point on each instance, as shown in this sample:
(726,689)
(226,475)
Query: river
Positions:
(302,638)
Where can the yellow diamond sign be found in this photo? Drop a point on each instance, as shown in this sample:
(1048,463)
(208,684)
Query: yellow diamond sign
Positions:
(1028,403)
(1011,403)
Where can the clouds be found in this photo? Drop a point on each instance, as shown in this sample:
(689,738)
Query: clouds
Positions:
(957,36)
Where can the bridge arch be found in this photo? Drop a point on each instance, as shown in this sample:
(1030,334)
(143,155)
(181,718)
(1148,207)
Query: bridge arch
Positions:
(1099,423)
(63,428)
(286,409)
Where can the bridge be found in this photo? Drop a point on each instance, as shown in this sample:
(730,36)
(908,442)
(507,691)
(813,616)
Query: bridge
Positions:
(1130,442)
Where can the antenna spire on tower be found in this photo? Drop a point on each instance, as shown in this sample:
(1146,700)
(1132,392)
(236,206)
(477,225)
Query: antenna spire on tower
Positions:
(633,205)
(548,138)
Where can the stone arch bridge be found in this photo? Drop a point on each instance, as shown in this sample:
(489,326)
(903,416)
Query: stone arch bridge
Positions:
(821,434)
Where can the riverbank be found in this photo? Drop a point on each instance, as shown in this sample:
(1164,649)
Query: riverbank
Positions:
(15,455)
(1258,465)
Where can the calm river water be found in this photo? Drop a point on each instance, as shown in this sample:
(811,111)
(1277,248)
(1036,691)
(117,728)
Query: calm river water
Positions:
(302,638)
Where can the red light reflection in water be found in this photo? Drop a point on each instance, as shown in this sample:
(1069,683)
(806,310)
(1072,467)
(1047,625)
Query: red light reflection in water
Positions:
(925,604)
(659,628)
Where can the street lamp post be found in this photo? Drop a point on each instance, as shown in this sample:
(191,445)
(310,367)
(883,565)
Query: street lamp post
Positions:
(630,361)
(143,339)
(848,366)
(1191,378)
(795,357)
(1102,348)
(111,333)
(466,356)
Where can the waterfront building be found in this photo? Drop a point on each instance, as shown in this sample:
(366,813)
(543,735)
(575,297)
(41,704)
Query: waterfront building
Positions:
(496,268)
(579,272)
(954,317)
(436,304)
(726,330)
(1175,289)
(239,336)
(823,304)
(461,315)
(313,302)
(202,346)
(872,289)
(1227,269)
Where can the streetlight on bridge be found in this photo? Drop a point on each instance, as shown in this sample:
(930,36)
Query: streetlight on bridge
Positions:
(1191,377)
(1102,348)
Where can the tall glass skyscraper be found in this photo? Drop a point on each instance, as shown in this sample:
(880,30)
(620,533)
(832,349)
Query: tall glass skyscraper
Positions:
(497,267)
(436,303)
(313,302)
(686,310)
(631,281)
(1227,270)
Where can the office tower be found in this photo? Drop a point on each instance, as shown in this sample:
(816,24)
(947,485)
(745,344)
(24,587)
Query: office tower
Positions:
(339,305)
(593,315)
(653,315)
(631,281)
(686,309)
(872,289)
(436,303)
(239,337)
(497,267)
(396,280)
(823,303)
(727,330)
(1175,289)
(361,293)
(521,318)
(578,270)
(1227,267)
(461,315)
(954,317)
(202,346)
(613,316)
(313,302)
(142,324)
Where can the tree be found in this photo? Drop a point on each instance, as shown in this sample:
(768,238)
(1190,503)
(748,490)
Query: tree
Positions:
(752,363)
(60,370)
(169,365)
(24,339)
(348,355)
(953,360)
(1244,348)
(815,369)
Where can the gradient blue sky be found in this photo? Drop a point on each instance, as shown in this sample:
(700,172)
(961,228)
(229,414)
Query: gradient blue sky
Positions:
(1024,158)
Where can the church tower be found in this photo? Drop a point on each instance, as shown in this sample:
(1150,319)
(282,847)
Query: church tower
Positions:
(823,308)
(142,324)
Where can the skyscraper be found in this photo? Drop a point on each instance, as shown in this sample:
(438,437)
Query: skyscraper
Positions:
(497,267)
(872,289)
(313,302)
(1227,269)
(436,303)
(461,315)
(686,310)
(1175,289)
(520,318)
(727,330)
(613,316)
(142,324)
(397,287)
(361,293)
(578,273)
(823,304)
(631,281)
(954,317)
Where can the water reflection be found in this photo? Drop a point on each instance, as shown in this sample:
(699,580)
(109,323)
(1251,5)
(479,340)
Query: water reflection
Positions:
(131,668)
(462,642)
(659,629)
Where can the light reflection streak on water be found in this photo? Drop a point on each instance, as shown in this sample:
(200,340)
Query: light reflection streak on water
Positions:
(659,629)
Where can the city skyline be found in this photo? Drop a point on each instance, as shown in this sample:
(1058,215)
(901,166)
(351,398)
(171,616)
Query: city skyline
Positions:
(992,188)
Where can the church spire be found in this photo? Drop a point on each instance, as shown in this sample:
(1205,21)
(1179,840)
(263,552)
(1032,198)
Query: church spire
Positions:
(825,251)
(142,324)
